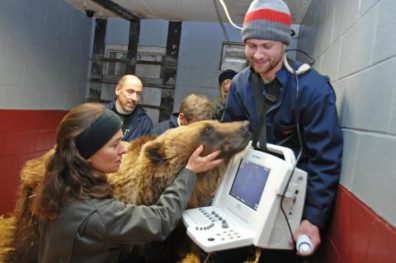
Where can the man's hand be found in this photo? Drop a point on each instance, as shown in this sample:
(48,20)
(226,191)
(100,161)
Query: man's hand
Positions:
(311,231)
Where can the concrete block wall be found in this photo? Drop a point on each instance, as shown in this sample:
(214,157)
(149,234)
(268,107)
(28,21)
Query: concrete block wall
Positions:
(353,43)
(44,54)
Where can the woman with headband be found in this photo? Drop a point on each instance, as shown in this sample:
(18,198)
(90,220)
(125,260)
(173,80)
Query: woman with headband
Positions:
(79,220)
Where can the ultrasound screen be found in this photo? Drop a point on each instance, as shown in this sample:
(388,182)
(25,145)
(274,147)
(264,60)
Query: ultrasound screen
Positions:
(249,183)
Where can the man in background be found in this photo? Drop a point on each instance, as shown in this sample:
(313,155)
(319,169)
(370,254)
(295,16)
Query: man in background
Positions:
(224,78)
(135,120)
(194,107)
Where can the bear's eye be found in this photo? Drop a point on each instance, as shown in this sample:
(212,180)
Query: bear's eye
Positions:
(208,131)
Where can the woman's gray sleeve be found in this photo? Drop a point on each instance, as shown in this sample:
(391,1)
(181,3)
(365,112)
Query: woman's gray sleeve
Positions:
(131,224)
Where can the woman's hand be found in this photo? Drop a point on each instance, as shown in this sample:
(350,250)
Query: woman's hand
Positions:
(199,164)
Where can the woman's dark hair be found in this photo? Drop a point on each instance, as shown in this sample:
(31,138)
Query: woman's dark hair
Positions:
(69,176)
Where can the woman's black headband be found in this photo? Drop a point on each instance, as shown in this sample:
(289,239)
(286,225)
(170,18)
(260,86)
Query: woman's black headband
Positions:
(98,133)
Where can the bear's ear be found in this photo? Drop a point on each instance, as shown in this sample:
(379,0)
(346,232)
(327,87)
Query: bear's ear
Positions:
(154,152)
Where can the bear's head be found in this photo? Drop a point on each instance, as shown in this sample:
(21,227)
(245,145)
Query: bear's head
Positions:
(179,143)
(145,173)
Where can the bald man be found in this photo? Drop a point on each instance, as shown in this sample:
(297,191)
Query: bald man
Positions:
(128,93)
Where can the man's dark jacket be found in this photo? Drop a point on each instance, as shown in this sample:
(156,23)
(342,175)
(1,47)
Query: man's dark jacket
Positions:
(136,124)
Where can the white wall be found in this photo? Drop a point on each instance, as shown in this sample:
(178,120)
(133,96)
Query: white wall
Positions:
(354,43)
(44,53)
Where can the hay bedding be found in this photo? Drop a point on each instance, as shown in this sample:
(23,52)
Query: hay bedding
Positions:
(7,226)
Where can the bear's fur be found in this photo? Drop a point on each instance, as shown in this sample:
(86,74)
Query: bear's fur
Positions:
(148,167)
(24,230)
(6,230)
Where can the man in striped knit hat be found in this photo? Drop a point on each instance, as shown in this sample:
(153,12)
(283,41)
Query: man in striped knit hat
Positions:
(301,114)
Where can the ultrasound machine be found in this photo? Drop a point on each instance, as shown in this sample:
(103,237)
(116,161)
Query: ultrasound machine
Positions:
(246,209)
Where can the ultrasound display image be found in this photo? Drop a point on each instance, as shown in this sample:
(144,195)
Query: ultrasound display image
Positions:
(249,183)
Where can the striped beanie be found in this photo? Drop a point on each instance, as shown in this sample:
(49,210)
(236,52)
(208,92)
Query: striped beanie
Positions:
(269,20)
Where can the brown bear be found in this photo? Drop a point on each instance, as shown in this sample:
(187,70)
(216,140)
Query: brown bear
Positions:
(147,168)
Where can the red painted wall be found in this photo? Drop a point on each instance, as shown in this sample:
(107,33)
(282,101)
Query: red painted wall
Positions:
(24,134)
(357,234)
